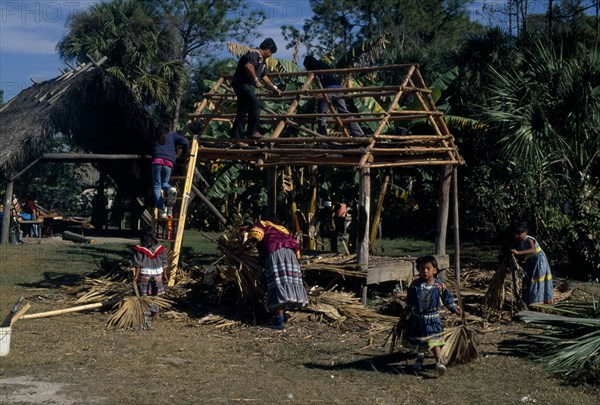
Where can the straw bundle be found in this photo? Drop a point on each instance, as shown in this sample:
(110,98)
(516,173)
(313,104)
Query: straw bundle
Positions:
(133,311)
(495,296)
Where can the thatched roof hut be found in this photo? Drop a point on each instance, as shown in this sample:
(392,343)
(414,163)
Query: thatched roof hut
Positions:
(97,113)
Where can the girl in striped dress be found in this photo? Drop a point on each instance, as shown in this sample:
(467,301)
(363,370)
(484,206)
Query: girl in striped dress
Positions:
(279,253)
(150,262)
(423,330)
(537,283)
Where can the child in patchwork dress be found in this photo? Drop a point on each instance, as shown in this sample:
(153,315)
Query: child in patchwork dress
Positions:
(279,252)
(537,283)
(150,262)
(423,329)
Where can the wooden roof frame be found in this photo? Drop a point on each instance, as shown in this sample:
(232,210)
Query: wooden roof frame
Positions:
(307,147)
(377,150)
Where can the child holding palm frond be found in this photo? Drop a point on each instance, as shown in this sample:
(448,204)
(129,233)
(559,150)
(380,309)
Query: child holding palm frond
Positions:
(423,329)
(149,261)
(537,283)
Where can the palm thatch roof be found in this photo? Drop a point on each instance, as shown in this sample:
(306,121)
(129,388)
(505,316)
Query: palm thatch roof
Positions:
(96,111)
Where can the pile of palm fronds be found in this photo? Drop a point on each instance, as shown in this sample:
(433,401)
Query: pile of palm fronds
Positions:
(240,266)
(111,281)
(341,307)
(569,344)
(502,285)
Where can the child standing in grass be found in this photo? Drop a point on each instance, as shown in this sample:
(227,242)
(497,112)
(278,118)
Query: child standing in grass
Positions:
(423,328)
(150,262)
(537,283)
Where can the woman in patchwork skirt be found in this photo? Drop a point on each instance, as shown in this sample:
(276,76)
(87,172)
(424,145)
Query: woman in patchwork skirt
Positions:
(279,252)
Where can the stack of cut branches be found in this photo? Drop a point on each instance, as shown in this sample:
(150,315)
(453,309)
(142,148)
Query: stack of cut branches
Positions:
(500,285)
(243,269)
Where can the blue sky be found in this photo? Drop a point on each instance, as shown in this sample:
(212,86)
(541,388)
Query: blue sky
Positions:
(30,30)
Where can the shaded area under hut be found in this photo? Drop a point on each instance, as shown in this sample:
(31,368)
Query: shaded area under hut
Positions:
(100,119)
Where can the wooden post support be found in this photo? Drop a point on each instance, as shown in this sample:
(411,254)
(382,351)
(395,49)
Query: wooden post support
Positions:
(7,211)
(376,220)
(443,207)
(272,191)
(456,235)
(312,210)
(364,206)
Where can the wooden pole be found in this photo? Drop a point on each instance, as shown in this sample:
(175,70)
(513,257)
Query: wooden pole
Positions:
(292,107)
(364,207)
(272,191)
(312,209)
(209,205)
(443,207)
(456,235)
(72,309)
(7,211)
(376,219)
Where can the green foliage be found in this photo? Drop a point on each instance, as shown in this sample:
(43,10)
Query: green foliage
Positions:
(337,24)
(583,232)
(140,45)
(203,25)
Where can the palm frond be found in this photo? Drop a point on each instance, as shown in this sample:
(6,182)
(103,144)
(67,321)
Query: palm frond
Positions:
(569,346)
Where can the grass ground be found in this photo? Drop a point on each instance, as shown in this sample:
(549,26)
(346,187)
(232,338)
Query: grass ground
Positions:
(72,359)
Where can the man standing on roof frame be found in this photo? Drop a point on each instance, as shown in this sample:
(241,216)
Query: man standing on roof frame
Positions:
(337,99)
(249,72)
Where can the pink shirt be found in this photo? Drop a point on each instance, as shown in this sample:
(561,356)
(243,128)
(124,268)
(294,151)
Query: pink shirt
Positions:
(162,162)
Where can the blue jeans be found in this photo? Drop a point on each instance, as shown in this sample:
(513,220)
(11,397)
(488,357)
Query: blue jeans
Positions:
(160,180)
(339,103)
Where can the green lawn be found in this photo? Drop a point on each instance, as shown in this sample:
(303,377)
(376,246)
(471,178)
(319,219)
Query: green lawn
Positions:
(25,268)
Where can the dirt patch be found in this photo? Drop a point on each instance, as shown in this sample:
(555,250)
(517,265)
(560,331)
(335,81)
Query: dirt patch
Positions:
(73,359)
(26,389)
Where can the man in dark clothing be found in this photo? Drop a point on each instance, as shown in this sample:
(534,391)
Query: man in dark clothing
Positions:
(337,99)
(250,69)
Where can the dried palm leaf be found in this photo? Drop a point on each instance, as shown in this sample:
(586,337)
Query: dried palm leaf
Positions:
(244,270)
(461,345)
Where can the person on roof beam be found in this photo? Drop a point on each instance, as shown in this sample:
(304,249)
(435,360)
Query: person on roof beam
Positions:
(336,99)
(248,74)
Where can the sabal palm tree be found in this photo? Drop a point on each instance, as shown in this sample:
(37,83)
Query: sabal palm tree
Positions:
(140,46)
(546,112)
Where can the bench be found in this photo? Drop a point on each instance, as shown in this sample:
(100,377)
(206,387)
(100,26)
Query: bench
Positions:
(29,226)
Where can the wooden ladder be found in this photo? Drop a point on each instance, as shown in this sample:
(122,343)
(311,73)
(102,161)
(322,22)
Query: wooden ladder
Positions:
(178,221)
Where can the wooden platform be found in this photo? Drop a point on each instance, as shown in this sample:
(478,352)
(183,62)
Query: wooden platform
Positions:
(396,270)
